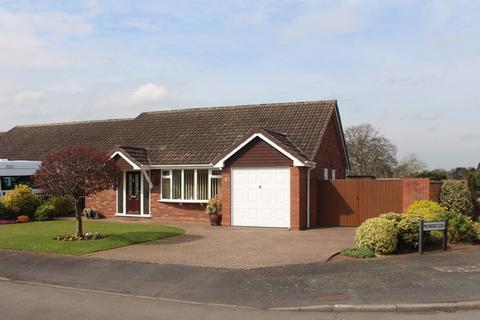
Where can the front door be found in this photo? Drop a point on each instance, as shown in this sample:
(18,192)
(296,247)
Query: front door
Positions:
(133,192)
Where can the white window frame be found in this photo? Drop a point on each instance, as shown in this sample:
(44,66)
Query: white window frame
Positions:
(183,200)
(124,191)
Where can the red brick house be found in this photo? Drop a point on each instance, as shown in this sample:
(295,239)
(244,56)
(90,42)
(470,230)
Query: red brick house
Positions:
(263,160)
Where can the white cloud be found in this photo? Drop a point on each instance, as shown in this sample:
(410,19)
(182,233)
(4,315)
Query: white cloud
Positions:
(148,93)
(32,39)
(144,95)
(327,21)
(26,96)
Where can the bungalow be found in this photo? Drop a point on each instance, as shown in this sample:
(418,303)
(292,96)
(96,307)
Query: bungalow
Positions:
(262,160)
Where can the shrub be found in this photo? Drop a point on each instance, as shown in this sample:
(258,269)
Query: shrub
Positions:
(22,200)
(214,206)
(64,205)
(377,234)
(455,196)
(408,232)
(476,228)
(45,212)
(357,252)
(6,213)
(426,209)
(392,216)
(461,229)
(91,213)
(23,219)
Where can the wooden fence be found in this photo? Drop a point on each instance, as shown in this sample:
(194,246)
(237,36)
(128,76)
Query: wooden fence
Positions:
(350,202)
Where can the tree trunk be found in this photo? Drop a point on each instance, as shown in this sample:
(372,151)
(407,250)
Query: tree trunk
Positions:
(78,216)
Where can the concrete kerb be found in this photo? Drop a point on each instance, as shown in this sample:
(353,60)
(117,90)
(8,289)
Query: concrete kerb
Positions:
(403,307)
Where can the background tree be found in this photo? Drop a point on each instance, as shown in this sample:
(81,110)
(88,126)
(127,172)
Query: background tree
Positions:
(370,152)
(435,175)
(409,166)
(77,172)
(460,173)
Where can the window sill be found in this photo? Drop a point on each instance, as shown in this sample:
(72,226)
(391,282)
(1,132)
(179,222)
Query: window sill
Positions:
(133,215)
(182,201)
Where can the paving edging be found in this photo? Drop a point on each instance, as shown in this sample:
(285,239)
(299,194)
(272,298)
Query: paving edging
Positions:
(401,307)
(404,307)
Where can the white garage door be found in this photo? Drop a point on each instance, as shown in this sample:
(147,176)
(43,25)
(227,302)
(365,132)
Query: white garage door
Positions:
(261,197)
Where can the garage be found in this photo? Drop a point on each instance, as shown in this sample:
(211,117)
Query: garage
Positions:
(261,197)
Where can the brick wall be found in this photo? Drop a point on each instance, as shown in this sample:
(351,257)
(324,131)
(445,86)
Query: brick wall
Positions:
(226,197)
(413,190)
(298,198)
(104,201)
(330,155)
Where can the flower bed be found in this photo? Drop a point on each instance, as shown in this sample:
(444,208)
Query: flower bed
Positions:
(7,222)
(86,236)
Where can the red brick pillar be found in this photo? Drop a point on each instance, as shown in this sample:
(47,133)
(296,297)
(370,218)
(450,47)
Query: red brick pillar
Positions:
(226,196)
(298,198)
(413,190)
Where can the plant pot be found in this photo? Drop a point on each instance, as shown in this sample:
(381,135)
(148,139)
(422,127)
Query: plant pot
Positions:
(215,219)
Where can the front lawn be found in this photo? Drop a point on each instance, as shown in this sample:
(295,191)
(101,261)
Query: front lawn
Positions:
(38,236)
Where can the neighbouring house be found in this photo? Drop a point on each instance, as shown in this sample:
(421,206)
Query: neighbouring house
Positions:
(263,160)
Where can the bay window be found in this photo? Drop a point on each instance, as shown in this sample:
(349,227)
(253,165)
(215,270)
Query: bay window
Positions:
(190,185)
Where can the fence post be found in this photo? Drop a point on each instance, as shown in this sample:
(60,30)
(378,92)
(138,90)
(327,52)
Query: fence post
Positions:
(420,237)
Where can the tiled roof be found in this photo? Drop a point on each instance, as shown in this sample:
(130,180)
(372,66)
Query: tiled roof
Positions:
(34,141)
(180,136)
(137,155)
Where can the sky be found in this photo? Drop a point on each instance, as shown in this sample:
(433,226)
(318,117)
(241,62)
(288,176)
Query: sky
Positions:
(410,68)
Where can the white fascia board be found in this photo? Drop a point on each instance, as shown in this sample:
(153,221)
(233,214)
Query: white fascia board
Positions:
(118,153)
(296,162)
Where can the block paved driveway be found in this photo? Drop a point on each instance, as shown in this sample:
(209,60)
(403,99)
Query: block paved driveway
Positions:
(236,248)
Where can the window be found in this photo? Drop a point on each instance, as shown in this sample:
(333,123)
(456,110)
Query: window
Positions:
(189,184)
(216,186)
(195,185)
(166,184)
(9,183)
(333,174)
(120,195)
(176,184)
(325,174)
(202,184)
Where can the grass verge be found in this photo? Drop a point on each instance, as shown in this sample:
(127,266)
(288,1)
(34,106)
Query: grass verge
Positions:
(38,236)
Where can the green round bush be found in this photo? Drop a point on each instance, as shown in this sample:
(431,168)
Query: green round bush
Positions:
(455,196)
(461,229)
(476,228)
(377,234)
(408,232)
(6,213)
(64,205)
(45,212)
(393,216)
(22,201)
(426,209)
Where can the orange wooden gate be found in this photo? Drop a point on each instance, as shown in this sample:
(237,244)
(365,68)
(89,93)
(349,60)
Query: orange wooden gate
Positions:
(350,202)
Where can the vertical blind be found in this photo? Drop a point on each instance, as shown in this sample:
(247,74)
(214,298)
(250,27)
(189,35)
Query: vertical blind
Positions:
(195,184)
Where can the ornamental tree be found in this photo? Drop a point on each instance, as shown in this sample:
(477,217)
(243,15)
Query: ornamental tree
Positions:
(77,172)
